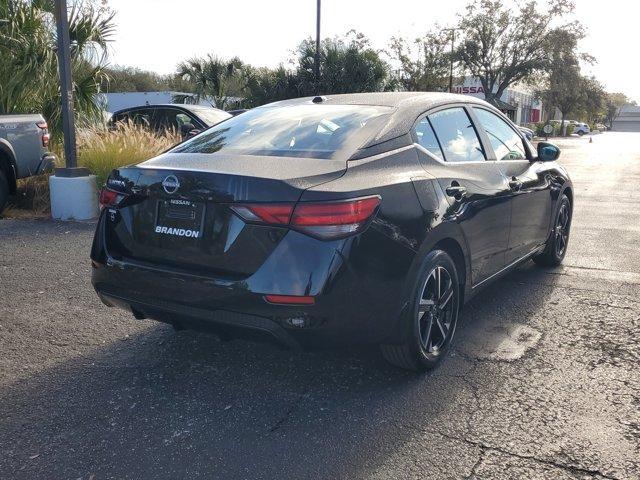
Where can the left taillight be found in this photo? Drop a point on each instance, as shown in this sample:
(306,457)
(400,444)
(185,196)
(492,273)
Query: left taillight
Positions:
(110,198)
(324,220)
(45,133)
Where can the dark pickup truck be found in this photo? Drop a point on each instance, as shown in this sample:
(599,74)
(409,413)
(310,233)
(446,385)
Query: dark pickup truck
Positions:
(24,142)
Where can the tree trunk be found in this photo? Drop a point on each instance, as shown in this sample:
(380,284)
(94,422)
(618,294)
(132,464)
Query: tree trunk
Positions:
(563,126)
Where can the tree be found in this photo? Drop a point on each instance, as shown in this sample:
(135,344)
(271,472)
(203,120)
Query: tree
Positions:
(347,65)
(613,102)
(424,64)
(593,107)
(502,46)
(216,78)
(265,85)
(29,80)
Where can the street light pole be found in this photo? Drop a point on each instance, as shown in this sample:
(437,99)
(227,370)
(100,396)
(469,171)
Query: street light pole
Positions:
(317,56)
(66,86)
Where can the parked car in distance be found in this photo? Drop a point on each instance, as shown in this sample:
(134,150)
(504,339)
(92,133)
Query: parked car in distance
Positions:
(602,127)
(24,143)
(187,119)
(360,218)
(581,128)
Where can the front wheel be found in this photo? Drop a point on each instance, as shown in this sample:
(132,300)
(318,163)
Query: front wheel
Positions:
(558,241)
(431,321)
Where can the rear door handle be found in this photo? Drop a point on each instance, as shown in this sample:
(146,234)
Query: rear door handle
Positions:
(456,191)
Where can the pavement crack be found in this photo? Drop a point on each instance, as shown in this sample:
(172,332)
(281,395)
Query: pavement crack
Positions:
(474,469)
(553,463)
(289,412)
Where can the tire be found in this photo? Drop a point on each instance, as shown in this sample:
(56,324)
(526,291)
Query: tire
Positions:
(581,133)
(558,241)
(430,322)
(4,190)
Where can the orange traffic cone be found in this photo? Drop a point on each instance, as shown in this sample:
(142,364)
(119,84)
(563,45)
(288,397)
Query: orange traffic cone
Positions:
(590,139)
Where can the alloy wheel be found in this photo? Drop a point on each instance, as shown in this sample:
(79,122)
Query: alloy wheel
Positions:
(436,311)
(562,230)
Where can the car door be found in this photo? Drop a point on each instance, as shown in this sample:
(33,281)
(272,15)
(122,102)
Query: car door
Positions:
(530,185)
(171,119)
(451,149)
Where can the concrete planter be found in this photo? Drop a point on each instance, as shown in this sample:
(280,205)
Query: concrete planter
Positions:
(73,198)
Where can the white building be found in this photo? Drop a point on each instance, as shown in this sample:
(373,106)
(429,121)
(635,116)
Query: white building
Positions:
(517,102)
(118,100)
(628,119)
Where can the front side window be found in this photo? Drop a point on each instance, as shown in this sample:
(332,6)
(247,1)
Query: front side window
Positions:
(309,130)
(506,143)
(456,135)
(427,138)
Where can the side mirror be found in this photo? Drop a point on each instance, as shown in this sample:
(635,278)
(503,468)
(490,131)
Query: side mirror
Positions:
(548,152)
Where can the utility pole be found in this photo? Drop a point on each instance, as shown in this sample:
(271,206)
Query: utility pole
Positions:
(317,57)
(72,190)
(453,41)
(66,87)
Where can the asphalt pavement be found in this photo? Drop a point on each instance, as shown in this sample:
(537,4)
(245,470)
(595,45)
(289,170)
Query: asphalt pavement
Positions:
(543,380)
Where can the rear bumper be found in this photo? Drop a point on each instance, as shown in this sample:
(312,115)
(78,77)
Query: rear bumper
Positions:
(47,164)
(342,314)
(358,298)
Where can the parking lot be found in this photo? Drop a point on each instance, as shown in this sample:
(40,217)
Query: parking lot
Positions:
(543,380)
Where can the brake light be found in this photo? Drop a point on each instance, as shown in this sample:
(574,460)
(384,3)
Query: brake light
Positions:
(45,133)
(273,214)
(325,220)
(290,299)
(109,198)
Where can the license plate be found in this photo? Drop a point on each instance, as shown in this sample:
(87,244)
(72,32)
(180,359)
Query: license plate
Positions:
(179,218)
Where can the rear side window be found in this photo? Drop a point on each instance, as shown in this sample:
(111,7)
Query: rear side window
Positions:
(309,130)
(427,138)
(456,135)
(506,143)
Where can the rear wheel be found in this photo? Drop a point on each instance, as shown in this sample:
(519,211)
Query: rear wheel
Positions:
(4,190)
(431,321)
(556,247)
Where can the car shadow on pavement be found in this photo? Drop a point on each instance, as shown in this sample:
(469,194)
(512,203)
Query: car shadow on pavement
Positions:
(161,404)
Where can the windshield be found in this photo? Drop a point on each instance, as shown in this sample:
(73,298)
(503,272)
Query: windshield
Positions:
(210,116)
(310,130)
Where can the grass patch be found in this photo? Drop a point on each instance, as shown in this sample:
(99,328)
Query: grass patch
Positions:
(102,150)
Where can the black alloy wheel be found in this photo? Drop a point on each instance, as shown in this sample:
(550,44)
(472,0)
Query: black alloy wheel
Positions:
(556,247)
(431,323)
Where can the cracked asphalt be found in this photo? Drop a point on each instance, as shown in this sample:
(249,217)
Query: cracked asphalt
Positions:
(543,382)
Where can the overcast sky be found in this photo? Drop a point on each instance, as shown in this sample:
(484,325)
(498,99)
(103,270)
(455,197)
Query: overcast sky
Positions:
(157,34)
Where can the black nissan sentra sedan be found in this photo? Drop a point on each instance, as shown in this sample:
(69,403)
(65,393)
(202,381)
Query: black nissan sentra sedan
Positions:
(360,218)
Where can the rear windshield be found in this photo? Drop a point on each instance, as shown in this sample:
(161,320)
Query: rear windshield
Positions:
(311,131)
(210,116)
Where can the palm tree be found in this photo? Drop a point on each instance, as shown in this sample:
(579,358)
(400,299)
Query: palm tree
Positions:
(29,81)
(215,78)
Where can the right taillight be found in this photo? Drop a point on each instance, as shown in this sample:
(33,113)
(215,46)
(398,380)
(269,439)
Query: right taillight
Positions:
(110,198)
(45,133)
(325,220)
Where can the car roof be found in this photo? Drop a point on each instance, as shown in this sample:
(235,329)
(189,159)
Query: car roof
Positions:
(183,106)
(407,107)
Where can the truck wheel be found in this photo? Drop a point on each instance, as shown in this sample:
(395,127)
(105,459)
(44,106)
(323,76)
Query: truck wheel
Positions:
(4,190)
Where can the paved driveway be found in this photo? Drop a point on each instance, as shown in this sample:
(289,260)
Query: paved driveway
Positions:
(544,380)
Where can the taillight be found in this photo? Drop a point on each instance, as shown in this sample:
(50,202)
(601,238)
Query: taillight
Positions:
(290,299)
(109,198)
(325,220)
(45,133)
